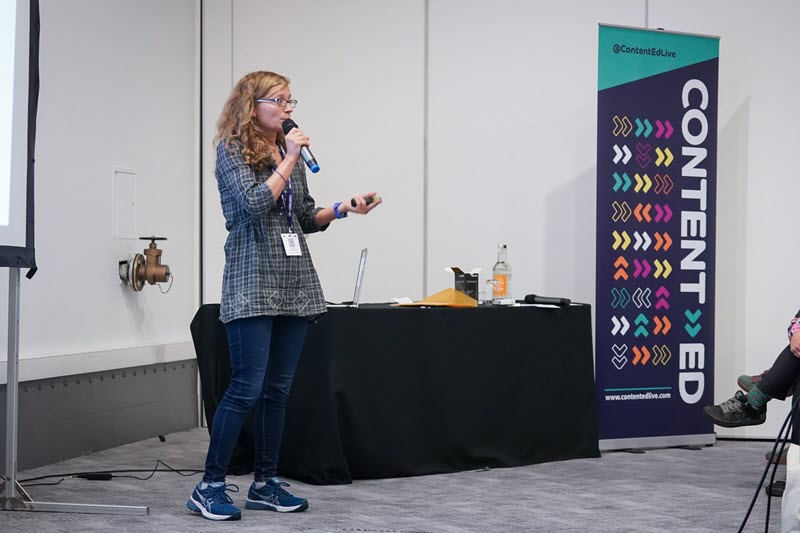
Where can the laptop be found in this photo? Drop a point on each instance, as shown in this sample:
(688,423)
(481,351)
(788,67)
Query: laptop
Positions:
(362,262)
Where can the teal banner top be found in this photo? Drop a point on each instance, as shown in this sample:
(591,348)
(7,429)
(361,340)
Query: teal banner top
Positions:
(630,54)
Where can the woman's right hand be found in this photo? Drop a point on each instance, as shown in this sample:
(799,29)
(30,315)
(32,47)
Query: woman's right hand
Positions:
(295,140)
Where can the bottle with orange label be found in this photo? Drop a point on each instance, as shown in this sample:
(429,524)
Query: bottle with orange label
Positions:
(501,274)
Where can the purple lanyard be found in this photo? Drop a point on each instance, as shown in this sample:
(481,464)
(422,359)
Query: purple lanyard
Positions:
(288,198)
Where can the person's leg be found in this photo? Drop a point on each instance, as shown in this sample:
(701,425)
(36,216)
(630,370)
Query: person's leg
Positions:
(249,341)
(267,492)
(751,408)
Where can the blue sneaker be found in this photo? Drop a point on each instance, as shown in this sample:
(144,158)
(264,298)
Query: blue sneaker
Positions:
(273,497)
(213,503)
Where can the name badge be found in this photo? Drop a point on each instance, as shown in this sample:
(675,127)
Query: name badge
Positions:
(291,243)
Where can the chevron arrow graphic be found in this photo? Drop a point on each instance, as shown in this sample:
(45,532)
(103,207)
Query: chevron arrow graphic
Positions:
(621,263)
(638,267)
(646,298)
(657,354)
(659,268)
(657,322)
(667,268)
(626,298)
(617,240)
(628,154)
(659,129)
(647,240)
(639,240)
(659,213)
(647,183)
(693,330)
(627,182)
(647,268)
(638,212)
(693,316)
(642,322)
(667,213)
(637,355)
(619,362)
(669,129)
(659,156)
(618,153)
(645,355)
(663,355)
(649,128)
(659,184)
(668,183)
(667,241)
(617,325)
(617,182)
(662,294)
(659,241)
(619,349)
(617,126)
(669,157)
(637,297)
(646,212)
(626,211)
(626,124)
(639,181)
(615,297)
(639,126)
(667,325)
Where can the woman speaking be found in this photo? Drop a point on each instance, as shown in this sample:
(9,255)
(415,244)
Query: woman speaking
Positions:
(269,289)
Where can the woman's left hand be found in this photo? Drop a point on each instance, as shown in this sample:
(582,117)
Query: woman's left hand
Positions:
(361,203)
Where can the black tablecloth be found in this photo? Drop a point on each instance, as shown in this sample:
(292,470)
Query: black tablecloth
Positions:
(388,392)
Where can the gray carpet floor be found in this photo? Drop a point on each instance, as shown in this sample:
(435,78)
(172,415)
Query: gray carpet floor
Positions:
(661,490)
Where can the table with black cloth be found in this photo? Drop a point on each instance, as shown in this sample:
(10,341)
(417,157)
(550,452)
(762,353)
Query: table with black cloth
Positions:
(383,391)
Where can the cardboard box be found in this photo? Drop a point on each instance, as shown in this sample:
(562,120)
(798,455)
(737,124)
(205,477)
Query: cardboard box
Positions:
(466,282)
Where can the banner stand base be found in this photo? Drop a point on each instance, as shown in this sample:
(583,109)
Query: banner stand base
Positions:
(669,441)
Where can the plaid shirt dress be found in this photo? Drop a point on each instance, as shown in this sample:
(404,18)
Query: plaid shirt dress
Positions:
(259,278)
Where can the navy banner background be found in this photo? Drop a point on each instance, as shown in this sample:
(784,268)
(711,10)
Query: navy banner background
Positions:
(656,211)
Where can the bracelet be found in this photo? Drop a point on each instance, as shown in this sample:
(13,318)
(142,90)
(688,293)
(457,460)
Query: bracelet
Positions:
(278,172)
(336,212)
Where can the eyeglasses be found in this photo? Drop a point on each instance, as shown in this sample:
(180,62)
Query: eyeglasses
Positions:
(281,102)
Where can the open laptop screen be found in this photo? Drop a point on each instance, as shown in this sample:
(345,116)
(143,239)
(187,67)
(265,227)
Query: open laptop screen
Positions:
(362,262)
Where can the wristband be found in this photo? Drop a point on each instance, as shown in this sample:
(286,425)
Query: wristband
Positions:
(336,212)
(278,172)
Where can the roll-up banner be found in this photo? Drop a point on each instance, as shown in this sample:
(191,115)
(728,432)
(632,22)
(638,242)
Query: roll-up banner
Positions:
(656,230)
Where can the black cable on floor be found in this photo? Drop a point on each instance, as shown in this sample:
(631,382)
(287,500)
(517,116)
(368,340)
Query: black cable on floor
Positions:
(110,474)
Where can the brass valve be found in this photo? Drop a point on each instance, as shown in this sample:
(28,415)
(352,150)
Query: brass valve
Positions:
(145,267)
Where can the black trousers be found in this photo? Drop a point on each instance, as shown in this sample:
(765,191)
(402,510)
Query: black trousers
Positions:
(782,377)
(780,381)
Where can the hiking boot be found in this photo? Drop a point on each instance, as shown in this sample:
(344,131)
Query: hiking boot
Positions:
(748,382)
(736,412)
(273,497)
(213,503)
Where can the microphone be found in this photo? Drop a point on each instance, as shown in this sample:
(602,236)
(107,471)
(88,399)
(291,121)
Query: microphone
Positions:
(308,157)
(533,299)
(367,200)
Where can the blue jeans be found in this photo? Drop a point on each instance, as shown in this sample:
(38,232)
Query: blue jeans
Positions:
(264,352)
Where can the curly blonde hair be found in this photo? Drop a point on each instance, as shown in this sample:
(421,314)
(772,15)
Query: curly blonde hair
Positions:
(237,123)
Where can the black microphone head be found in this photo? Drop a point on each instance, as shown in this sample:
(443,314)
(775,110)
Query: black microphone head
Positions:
(288,125)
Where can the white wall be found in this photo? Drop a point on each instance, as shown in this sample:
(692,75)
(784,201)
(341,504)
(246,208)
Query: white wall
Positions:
(357,71)
(117,89)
